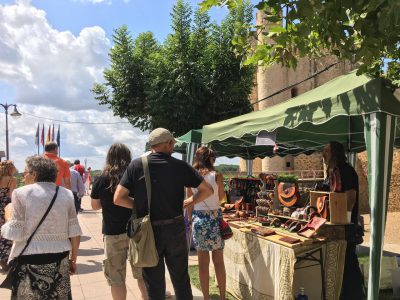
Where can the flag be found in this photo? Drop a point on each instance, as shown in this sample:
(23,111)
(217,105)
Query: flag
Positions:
(52,134)
(58,135)
(37,136)
(48,135)
(42,136)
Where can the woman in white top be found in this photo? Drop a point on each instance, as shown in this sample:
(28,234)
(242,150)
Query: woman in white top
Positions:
(50,258)
(205,217)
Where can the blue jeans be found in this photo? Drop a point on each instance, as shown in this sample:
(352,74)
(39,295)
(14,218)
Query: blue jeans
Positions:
(172,248)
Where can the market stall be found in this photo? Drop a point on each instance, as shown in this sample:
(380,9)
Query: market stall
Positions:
(265,268)
(357,111)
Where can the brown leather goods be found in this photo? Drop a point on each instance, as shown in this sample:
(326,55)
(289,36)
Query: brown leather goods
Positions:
(288,193)
(295,227)
(314,214)
(263,231)
(239,204)
(229,206)
(323,206)
(312,227)
(242,214)
(289,240)
(288,223)
(276,222)
(310,209)
(249,206)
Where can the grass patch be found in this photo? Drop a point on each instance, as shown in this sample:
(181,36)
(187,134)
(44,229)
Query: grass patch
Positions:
(214,292)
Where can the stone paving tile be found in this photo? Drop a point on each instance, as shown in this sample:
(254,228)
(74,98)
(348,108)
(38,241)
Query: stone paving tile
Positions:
(90,282)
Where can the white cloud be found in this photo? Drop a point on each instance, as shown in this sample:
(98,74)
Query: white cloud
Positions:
(46,66)
(78,141)
(51,73)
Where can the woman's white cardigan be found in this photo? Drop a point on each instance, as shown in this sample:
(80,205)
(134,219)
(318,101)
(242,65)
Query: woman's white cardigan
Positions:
(29,203)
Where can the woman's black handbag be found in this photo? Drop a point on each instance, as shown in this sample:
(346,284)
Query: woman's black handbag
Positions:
(14,264)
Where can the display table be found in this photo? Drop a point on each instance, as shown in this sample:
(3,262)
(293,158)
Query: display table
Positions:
(257,268)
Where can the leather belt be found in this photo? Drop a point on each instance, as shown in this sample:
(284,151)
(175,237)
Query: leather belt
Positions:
(167,221)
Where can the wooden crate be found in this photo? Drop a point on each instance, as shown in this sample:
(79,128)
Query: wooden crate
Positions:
(337,205)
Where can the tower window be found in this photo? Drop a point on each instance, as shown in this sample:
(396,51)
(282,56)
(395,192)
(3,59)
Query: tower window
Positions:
(294,92)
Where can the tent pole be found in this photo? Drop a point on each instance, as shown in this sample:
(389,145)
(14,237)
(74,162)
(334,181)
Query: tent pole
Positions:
(379,131)
(249,167)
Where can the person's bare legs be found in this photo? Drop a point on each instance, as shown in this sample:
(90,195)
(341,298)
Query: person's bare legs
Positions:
(219,266)
(142,288)
(118,292)
(204,262)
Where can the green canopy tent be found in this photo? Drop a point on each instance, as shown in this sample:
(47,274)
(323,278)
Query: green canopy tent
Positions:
(188,144)
(358,111)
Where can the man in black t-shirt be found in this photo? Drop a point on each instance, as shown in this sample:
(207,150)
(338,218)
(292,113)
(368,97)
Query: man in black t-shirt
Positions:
(343,178)
(169,177)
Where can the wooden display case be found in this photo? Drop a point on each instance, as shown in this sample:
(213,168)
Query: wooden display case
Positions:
(337,205)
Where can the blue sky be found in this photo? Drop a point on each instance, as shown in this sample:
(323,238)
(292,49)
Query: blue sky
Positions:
(51,54)
(139,15)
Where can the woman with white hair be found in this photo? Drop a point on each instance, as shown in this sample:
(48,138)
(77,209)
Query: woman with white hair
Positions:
(50,257)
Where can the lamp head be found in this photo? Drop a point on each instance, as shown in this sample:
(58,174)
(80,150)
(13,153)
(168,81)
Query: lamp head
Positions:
(15,113)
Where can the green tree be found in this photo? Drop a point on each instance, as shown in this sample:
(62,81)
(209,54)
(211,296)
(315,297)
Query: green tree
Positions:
(193,78)
(362,31)
(127,79)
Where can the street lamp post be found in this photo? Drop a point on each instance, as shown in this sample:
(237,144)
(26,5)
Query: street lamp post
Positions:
(15,114)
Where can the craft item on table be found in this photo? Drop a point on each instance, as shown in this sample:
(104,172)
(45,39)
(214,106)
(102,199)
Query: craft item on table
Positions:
(288,193)
(310,209)
(323,206)
(312,227)
(267,181)
(239,204)
(314,214)
(241,214)
(287,224)
(262,202)
(289,240)
(295,227)
(249,206)
(295,214)
(262,219)
(286,211)
(263,209)
(228,206)
(263,231)
(276,222)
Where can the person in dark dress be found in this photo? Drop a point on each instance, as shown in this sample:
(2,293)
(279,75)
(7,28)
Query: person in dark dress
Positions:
(343,178)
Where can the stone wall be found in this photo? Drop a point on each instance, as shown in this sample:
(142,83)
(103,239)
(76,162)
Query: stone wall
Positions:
(394,193)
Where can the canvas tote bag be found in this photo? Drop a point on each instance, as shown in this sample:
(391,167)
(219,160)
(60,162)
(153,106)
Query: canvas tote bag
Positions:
(142,247)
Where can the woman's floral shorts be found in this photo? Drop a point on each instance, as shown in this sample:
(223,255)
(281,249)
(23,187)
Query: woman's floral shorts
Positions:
(206,233)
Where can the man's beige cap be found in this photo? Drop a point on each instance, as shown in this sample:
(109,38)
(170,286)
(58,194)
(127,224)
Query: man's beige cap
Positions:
(160,135)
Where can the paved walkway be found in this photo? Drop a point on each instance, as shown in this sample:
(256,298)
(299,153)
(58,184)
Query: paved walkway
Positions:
(90,282)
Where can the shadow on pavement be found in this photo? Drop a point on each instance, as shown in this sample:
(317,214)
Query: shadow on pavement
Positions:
(87,269)
(364,250)
(90,252)
(85,238)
